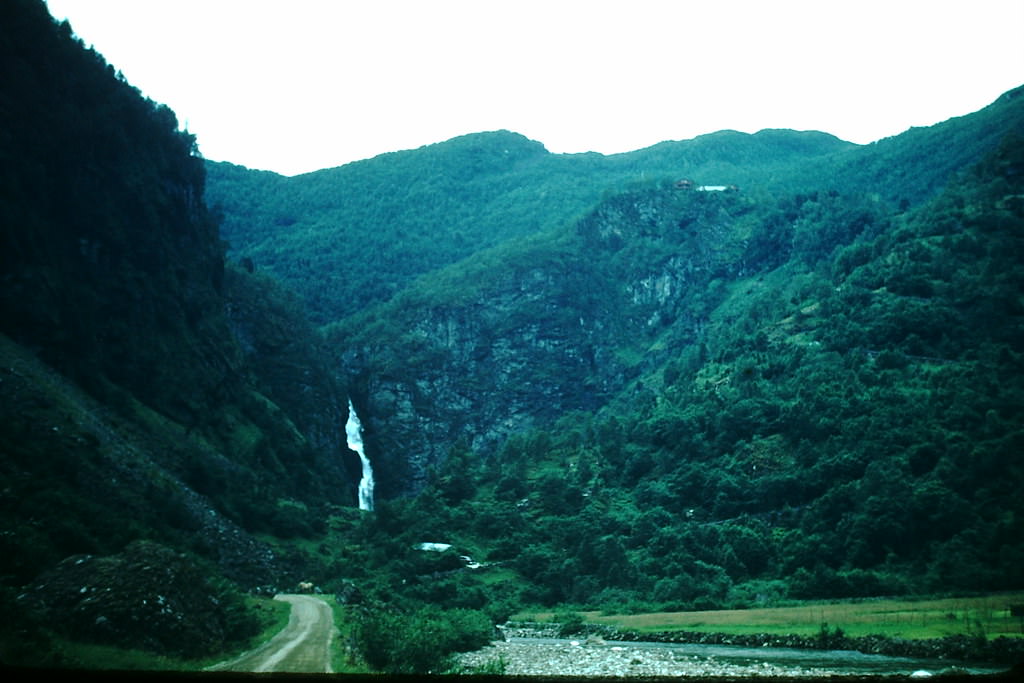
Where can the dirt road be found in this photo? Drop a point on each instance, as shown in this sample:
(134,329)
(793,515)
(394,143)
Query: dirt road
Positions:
(302,647)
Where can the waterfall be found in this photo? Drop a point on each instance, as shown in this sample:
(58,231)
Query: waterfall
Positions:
(354,432)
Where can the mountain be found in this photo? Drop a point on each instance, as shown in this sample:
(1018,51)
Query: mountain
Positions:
(149,391)
(687,399)
(471,328)
(397,216)
(521,334)
(348,237)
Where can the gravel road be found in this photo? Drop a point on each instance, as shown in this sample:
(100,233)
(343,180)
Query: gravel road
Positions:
(302,647)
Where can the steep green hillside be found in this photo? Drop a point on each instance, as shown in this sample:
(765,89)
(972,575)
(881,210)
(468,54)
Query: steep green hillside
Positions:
(347,237)
(363,231)
(519,334)
(814,398)
(148,392)
(522,333)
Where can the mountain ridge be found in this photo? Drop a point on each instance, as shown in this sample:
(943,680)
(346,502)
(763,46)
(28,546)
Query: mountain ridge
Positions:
(547,190)
(412,206)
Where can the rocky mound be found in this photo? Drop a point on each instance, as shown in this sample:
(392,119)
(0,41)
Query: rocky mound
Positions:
(147,597)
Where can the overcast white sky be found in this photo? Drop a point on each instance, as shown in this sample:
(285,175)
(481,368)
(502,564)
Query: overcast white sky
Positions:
(298,85)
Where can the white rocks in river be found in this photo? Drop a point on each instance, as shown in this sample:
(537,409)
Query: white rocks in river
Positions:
(589,660)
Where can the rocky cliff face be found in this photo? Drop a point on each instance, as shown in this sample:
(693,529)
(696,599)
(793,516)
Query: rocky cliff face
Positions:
(552,327)
(485,369)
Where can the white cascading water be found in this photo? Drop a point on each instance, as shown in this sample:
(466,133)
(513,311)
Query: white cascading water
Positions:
(354,433)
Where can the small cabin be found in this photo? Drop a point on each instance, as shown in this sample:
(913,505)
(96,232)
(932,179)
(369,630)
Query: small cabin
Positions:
(687,184)
(718,188)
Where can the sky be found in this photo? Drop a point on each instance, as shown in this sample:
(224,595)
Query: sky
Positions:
(299,85)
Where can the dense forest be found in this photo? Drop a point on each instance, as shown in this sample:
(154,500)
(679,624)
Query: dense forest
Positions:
(732,371)
(802,388)
(848,424)
(347,237)
(840,418)
(150,393)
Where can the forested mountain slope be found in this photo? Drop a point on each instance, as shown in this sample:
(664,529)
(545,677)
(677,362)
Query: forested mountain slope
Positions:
(148,392)
(758,355)
(364,230)
(346,237)
(696,400)
(568,318)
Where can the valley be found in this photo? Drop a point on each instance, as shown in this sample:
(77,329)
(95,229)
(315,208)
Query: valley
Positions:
(447,386)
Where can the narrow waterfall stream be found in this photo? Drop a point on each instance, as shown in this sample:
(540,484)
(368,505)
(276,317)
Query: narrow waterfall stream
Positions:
(354,433)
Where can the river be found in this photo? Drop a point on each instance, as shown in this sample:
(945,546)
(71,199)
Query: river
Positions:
(590,658)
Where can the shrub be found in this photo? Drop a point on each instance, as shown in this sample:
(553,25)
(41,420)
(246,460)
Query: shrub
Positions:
(571,623)
(421,641)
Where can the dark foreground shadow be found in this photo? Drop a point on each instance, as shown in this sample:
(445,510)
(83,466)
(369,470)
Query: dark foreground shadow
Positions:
(8,674)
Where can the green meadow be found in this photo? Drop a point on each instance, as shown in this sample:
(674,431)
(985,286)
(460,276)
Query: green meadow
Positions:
(988,616)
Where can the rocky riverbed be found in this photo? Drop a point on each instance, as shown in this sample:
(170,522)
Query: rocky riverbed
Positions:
(543,649)
(583,659)
(1002,651)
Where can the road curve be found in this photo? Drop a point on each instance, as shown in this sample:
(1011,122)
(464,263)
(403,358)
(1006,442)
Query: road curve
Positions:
(302,647)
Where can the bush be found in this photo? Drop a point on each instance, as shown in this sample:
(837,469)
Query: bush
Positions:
(420,641)
(571,623)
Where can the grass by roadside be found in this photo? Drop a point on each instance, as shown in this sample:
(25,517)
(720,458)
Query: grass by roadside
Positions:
(344,659)
(987,616)
(77,655)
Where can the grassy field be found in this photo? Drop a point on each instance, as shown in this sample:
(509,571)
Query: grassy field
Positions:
(918,619)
